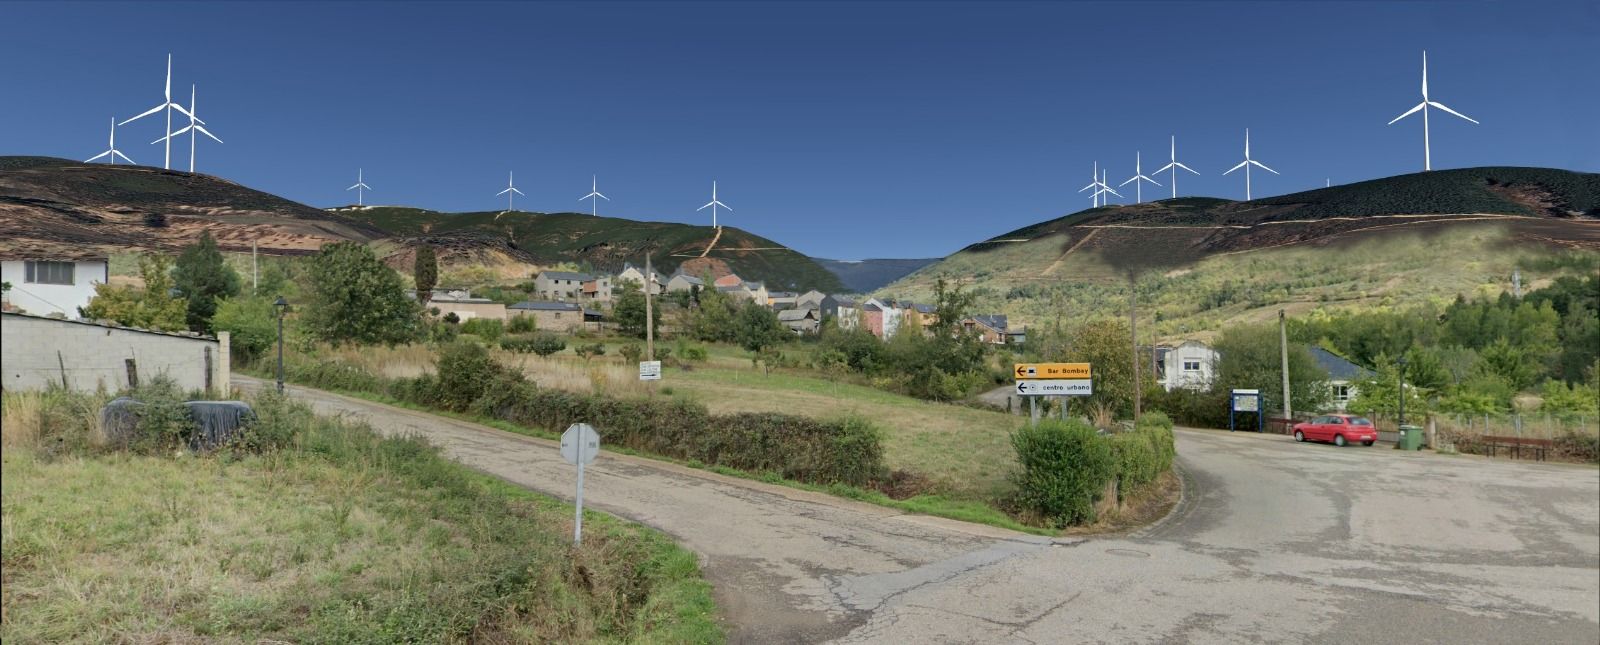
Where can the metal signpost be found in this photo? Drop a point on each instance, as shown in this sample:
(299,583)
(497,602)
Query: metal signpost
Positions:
(649,370)
(1246,401)
(1052,379)
(579,445)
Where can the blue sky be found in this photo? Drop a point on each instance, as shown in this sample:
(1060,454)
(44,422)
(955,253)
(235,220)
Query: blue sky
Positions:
(846,130)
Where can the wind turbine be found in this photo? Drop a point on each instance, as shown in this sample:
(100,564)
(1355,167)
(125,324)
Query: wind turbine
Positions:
(510,192)
(713,204)
(1173,165)
(1427,153)
(1106,189)
(1094,182)
(1247,163)
(169,106)
(594,196)
(1138,175)
(194,128)
(113,151)
(360,187)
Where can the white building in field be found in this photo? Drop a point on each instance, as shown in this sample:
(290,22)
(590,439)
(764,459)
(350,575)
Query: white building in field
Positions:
(51,284)
(1190,364)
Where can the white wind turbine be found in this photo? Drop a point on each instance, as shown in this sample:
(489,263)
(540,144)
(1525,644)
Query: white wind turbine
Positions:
(1247,163)
(113,151)
(1138,175)
(1427,153)
(194,129)
(169,106)
(1106,189)
(510,192)
(713,204)
(361,187)
(594,196)
(1173,165)
(1097,181)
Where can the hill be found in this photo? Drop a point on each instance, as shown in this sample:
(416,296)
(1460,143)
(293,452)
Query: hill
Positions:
(72,209)
(1204,263)
(604,243)
(865,276)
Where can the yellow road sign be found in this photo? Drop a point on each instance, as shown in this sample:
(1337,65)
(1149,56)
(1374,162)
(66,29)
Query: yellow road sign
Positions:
(1052,370)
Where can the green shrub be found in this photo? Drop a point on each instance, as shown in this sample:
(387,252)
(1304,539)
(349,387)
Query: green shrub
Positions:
(1155,418)
(631,352)
(692,353)
(542,343)
(465,372)
(1065,468)
(485,328)
(522,325)
(164,421)
(332,375)
(590,350)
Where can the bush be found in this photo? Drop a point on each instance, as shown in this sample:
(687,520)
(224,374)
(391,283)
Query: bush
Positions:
(1065,468)
(489,330)
(465,373)
(590,350)
(333,375)
(522,325)
(692,353)
(631,352)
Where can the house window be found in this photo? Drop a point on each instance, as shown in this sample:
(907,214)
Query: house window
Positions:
(1341,393)
(1191,366)
(44,272)
(558,315)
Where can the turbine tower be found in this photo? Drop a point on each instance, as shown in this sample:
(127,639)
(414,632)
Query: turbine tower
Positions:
(194,129)
(1105,189)
(713,204)
(1427,153)
(1173,165)
(1094,183)
(594,196)
(1138,175)
(360,188)
(1247,163)
(113,151)
(510,192)
(169,106)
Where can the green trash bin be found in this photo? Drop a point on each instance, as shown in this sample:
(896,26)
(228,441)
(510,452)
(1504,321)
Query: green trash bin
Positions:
(1410,438)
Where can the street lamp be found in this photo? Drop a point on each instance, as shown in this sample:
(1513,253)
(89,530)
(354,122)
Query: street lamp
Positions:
(1402,362)
(283,307)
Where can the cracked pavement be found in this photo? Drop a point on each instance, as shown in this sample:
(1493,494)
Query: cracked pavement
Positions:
(1273,542)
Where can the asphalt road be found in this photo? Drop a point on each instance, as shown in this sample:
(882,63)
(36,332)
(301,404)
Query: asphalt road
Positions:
(1274,542)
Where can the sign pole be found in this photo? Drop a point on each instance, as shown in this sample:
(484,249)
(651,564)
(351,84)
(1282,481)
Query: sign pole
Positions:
(1033,411)
(577,525)
(649,313)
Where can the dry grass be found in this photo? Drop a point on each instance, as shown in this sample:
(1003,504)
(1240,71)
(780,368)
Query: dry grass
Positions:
(19,419)
(64,420)
(606,374)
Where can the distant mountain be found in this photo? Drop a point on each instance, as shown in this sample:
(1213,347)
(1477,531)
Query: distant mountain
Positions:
(864,276)
(606,243)
(65,208)
(1203,263)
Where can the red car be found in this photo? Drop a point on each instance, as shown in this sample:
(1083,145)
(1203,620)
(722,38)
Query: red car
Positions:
(1338,428)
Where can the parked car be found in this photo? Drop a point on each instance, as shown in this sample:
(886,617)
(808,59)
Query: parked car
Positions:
(1337,428)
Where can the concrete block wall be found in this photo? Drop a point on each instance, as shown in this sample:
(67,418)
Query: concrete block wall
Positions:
(35,352)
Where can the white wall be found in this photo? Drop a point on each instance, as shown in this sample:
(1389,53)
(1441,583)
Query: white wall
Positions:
(46,299)
(35,352)
(1192,380)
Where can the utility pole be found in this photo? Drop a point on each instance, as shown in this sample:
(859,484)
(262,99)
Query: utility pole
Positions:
(1133,326)
(1283,352)
(649,311)
(255,275)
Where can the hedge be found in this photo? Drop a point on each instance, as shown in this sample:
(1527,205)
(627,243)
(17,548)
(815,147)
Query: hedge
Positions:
(1066,465)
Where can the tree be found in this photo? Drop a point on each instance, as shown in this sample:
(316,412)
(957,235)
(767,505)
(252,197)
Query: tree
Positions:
(757,328)
(1248,357)
(153,307)
(713,319)
(630,311)
(546,343)
(426,271)
(202,277)
(589,351)
(1379,394)
(356,299)
(951,306)
(251,321)
(1104,345)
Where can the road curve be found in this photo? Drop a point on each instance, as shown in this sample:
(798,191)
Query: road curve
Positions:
(1275,541)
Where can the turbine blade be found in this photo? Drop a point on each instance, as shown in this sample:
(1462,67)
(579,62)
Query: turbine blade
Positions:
(504,192)
(148,113)
(186,113)
(1150,180)
(206,132)
(1134,179)
(1409,112)
(1186,168)
(1241,165)
(124,157)
(1113,191)
(1168,167)
(1442,107)
(1097,183)
(97,156)
(518,192)
(730,208)
(708,205)
(602,197)
(1264,167)
(354,187)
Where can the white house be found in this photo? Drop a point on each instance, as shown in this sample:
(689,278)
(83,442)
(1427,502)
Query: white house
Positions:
(685,282)
(1342,375)
(51,285)
(1190,365)
(630,272)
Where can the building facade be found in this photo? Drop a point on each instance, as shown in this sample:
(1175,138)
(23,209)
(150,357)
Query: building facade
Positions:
(45,286)
(38,352)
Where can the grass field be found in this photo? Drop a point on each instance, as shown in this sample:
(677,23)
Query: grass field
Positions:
(342,538)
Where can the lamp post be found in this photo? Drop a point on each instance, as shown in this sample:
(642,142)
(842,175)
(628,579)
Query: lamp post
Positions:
(283,307)
(1402,362)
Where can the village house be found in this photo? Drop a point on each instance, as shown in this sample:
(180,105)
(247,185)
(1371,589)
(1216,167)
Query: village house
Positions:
(758,291)
(917,316)
(1190,365)
(729,280)
(53,283)
(555,316)
(685,282)
(597,290)
(826,304)
(780,300)
(1342,375)
(892,315)
(801,321)
(847,311)
(560,285)
(990,328)
(630,272)
(737,292)
(461,303)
